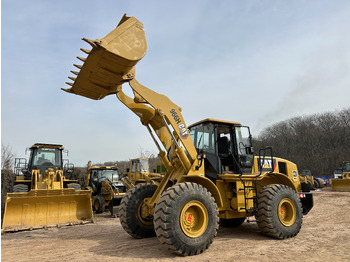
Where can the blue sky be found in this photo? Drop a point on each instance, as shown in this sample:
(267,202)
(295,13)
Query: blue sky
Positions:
(254,62)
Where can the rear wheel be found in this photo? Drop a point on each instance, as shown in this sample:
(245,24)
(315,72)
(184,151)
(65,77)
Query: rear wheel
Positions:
(76,186)
(20,188)
(99,205)
(186,219)
(320,182)
(134,214)
(279,211)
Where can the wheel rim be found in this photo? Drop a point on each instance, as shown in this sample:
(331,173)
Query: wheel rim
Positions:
(143,214)
(194,219)
(96,205)
(286,212)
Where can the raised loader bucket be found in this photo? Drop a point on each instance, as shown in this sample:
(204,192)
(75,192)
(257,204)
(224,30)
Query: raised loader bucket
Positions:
(110,60)
(340,184)
(47,208)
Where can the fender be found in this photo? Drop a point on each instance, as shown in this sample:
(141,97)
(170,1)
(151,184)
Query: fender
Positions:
(208,184)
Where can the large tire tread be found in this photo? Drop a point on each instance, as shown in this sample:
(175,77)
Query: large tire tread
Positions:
(166,230)
(128,211)
(267,218)
(20,188)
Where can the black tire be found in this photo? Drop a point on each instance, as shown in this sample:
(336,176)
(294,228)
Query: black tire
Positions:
(316,183)
(99,205)
(20,188)
(133,214)
(279,211)
(186,219)
(320,182)
(76,186)
(232,222)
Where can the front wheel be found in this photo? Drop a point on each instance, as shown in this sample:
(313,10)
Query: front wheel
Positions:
(134,213)
(279,211)
(186,219)
(99,205)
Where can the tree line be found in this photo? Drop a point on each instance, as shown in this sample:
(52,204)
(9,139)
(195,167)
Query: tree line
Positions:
(318,142)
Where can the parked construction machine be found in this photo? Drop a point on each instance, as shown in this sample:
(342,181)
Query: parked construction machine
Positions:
(106,187)
(314,182)
(343,183)
(212,171)
(42,196)
(139,172)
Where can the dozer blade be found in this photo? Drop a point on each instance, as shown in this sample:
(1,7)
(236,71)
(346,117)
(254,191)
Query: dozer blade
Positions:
(47,208)
(110,62)
(340,184)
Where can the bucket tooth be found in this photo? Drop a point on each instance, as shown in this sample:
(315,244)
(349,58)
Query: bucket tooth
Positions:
(78,66)
(75,72)
(93,43)
(70,84)
(72,78)
(81,58)
(86,51)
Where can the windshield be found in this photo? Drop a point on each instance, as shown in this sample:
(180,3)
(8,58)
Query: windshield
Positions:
(346,167)
(46,157)
(140,165)
(306,172)
(203,138)
(111,175)
(338,171)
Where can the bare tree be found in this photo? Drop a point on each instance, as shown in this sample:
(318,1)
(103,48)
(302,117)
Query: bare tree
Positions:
(7,157)
(317,142)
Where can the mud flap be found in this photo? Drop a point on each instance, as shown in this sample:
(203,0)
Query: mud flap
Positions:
(307,201)
(47,208)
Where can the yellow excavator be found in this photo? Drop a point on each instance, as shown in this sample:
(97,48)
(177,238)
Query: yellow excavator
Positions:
(212,172)
(342,183)
(42,196)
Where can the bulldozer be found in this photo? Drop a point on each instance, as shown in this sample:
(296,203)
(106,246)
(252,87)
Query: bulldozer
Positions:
(139,172)
(213,173)
(42,196)
(106,187)
(342,183)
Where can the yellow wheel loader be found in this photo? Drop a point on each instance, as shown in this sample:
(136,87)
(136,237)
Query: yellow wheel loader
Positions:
(314,182)
(106,186)
(139,172)
(212,174)
(342,183)
(42,196)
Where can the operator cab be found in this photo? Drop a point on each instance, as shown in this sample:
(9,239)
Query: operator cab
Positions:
(44,156)
(98,175)
(226,145)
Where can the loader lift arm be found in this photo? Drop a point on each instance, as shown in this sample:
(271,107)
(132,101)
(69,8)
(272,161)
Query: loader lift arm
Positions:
(108,66)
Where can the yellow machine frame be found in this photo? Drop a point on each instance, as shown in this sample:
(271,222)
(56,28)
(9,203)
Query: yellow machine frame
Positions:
(108,66)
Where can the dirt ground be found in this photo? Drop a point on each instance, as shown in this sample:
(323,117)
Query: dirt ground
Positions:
(324,236)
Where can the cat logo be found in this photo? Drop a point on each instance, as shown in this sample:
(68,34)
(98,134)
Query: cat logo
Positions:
(266,165)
